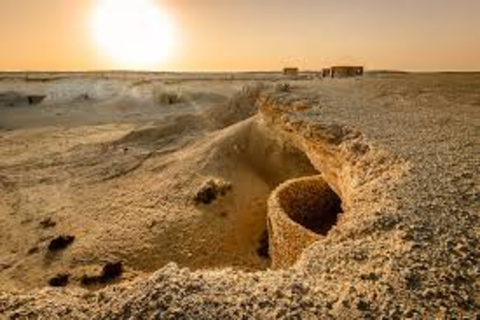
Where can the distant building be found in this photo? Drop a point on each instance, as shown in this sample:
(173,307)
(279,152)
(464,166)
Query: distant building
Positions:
(346,71)
(326,72)
(292,72)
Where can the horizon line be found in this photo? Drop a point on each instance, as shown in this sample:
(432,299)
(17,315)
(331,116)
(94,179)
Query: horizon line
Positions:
(221,71)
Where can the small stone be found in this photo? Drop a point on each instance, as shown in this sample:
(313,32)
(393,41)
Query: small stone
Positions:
(60,243)
(60,280)
(211,190)
(363,306)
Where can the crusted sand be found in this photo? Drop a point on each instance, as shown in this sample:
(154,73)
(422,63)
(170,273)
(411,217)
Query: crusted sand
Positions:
(401,153)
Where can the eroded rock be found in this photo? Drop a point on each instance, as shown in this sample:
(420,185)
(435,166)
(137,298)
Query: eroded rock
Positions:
(211,190)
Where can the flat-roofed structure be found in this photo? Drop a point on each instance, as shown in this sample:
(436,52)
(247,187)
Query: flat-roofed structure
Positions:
(346,71)
(292,72)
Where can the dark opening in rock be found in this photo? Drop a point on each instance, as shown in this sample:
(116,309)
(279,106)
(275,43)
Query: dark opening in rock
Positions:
(35,99)
(60,243)
(60,280)
(312,204)
(263,250)
(110,272)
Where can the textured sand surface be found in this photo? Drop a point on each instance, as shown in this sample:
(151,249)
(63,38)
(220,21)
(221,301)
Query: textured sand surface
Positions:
(131,176)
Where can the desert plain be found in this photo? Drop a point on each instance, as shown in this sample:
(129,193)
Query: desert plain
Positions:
(238,196)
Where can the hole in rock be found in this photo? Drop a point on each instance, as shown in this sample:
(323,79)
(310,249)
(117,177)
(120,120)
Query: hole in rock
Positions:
(263,246)
(300,212)
(312,204)
(227,204)
(60,243)
(254,160)
(110,272)
(35,99)
(60,280)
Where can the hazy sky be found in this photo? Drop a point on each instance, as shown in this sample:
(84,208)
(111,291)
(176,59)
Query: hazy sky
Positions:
(256,34)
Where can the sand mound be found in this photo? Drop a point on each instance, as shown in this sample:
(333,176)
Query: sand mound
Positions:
(235,170)
(191,189)
(161,188)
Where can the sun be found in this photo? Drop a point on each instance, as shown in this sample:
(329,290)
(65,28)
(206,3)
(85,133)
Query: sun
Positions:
(134,33)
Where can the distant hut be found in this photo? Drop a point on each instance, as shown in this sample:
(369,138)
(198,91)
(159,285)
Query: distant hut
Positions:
(326,72)
(291,72)
(346,71)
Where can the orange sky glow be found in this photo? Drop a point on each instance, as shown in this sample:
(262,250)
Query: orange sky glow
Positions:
(241,35)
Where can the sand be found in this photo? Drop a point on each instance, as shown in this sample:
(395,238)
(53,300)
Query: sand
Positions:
(154,196)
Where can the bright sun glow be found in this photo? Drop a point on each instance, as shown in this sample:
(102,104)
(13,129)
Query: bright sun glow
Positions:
(135,33)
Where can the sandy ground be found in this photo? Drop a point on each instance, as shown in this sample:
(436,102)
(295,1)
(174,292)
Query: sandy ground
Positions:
(170,179)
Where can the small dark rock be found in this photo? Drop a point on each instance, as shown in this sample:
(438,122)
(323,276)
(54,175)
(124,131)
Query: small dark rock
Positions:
(370,276)
(111,271)
(206,195)
(211,190)
(60,243)
(60,280)
(363,306)
(413,281)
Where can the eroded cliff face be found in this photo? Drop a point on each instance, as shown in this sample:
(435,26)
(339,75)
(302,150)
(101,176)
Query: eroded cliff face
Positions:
(353,173)
(348,163)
